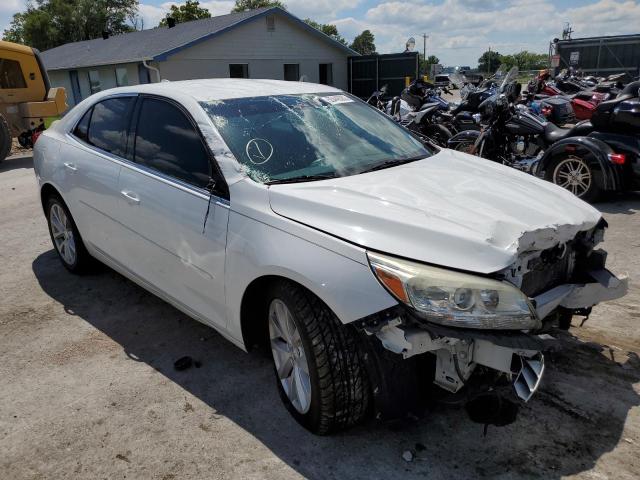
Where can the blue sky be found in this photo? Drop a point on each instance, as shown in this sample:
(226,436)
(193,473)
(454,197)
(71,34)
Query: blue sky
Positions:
(459,30)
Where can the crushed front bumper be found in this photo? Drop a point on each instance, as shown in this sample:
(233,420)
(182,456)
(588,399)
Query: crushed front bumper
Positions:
(580,296)
(517,354)
(456,358)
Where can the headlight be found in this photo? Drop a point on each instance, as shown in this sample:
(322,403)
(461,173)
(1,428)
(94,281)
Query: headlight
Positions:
(452,298)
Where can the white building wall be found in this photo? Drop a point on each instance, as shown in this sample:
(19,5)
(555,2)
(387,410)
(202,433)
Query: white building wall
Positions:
(264,51)
(62,78)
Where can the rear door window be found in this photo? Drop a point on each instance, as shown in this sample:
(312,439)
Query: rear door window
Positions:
(167,141)
(109,124)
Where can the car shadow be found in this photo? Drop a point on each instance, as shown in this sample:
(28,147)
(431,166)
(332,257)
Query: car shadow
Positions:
(627,203)
(17,161)
(577,416)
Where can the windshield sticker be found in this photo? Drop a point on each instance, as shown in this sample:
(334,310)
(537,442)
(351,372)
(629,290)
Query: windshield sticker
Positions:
(258,151)
(336,99)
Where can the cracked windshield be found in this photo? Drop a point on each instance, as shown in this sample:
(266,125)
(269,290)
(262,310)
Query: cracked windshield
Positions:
(289,138)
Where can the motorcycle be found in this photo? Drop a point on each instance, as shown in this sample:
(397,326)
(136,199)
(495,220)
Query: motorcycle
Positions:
(424,120)
(583,103)
(593,156)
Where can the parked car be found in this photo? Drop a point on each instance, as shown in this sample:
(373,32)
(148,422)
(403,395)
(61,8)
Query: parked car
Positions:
(295,216)
(442,81)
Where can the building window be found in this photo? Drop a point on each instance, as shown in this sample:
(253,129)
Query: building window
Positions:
(271,23)
(122,80)
(94,81)
(292,72)
(326,73)
(11,74)
(238,70)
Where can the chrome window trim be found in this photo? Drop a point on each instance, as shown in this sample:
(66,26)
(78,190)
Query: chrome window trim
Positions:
(174,182)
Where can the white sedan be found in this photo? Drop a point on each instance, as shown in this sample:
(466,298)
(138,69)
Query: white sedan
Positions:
(295,216)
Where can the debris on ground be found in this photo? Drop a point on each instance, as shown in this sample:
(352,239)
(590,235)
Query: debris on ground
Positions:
(122,457)
(408,455)
(183,363)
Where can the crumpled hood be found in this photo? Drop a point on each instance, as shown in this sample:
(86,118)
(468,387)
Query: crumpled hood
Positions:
(450,209)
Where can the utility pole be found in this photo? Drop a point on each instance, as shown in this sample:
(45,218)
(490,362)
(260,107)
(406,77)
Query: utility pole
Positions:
(424,50)
(489,62)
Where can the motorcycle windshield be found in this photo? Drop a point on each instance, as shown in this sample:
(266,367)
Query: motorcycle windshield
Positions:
(509,77)
(457,79)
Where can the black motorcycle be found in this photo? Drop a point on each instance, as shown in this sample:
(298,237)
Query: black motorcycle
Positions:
(593,156)
(422,116)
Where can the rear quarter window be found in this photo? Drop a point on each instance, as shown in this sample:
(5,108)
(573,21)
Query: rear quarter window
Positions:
(109,124)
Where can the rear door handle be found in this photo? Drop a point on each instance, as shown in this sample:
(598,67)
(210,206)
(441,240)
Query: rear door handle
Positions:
(131,197)
(70,166)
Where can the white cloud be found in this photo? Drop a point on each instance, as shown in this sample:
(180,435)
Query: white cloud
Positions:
(460,30)
(320,10)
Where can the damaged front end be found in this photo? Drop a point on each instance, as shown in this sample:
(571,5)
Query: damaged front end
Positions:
(497,323)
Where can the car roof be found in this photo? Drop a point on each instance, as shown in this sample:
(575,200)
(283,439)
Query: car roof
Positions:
(206,90)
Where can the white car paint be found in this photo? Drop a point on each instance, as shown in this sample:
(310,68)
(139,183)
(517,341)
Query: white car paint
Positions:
(450,209)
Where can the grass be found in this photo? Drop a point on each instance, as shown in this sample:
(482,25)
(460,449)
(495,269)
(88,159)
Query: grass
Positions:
(49,120)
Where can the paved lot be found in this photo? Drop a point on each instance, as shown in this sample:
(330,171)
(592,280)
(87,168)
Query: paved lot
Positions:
(88,389)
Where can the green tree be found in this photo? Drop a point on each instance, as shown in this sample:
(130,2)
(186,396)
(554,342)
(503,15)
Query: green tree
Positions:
(186,12)
(244,5)
(489,61)
(432,60)
(48,23)
(327,29)
(526,60)
(424,65)
(15,32)
(364,43)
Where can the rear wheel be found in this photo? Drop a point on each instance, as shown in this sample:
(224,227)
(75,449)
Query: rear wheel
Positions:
(317,360)
(65,237)
(5,138)
(575,174)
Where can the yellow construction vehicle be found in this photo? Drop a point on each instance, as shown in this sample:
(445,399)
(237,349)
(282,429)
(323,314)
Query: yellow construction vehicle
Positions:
(26,98)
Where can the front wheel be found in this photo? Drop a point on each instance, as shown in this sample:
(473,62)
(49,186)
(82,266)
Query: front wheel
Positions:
(575,174)
(318,361)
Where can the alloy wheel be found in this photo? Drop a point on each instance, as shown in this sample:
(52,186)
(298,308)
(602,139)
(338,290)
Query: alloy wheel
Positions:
(289,356)
(573,174)
(62,233)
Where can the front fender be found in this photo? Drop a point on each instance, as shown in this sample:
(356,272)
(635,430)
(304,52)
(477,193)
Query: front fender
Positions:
(256,249)
(596,152)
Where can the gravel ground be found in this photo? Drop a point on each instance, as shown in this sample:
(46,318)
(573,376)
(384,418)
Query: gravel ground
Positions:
(88,389)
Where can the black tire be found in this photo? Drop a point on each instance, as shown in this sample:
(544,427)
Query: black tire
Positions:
(438,133)
(592,193)
(340,388)
(5,138)
(83,262)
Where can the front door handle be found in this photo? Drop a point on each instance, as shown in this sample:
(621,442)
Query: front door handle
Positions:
(131,197)
(70,166)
